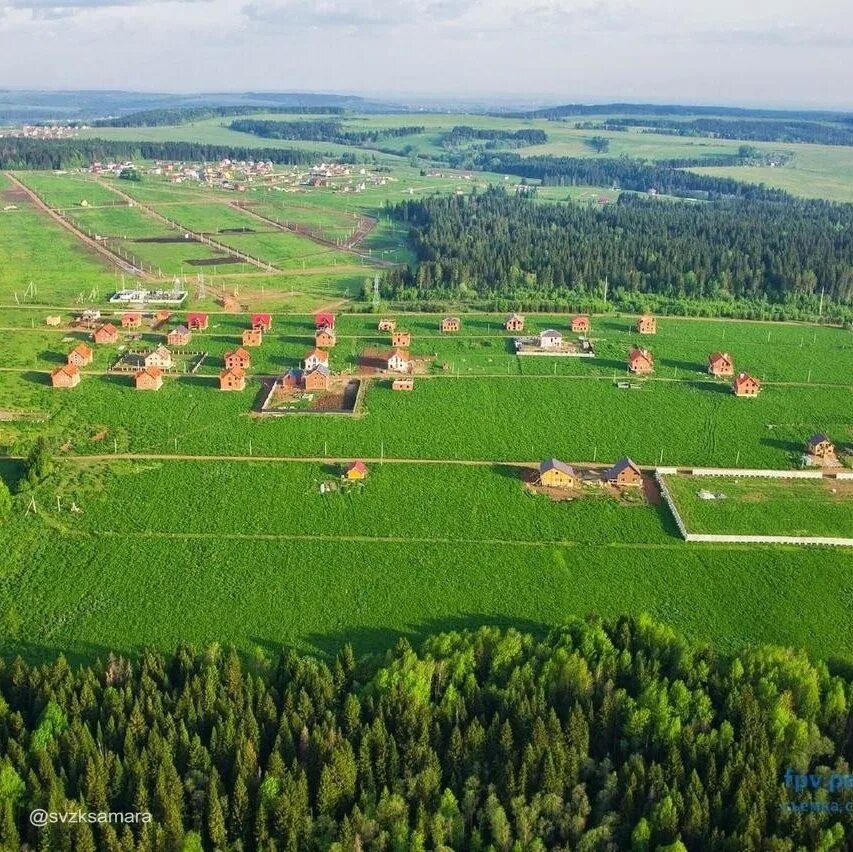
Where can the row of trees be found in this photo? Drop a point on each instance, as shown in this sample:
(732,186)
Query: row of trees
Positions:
(600,736)
(185,115)
(24,153)
(753,130)
(664,176)
(463,134)
(500,245)
(321,131)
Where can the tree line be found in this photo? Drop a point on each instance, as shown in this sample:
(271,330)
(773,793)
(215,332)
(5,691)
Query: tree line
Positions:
(185,115)
(668,177)
(755,130)
(498,245)
(463,134)
(321,131)
(23,153)
(616,735)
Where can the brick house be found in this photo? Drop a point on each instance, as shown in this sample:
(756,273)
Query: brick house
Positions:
(316,378)
(324,319)
(820,446)
(105,334)
(450,324)
(239,358)
(514,322)
(556,474)
(647,324)
(179,336)
(131,320)
(66,376)
(721,364)
(746,386)
(624,474)
(262,321)
(150,378)
(580,324)
(401,339)
(232,380)
(325,337)
(291,380)
(197,321)
(253,336)
(641,362)
(403,385)
(316,358)
(80,355)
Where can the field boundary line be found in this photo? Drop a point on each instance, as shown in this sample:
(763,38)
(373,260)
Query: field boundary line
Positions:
(54,214)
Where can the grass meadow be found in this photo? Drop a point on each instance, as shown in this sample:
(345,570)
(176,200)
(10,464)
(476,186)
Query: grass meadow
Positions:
(757,506)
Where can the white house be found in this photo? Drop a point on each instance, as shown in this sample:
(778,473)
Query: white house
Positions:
(160,357)
(550,339)
(316,358)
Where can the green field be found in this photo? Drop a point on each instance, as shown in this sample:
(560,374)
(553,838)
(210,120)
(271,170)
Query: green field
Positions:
(758,506)
(251,554)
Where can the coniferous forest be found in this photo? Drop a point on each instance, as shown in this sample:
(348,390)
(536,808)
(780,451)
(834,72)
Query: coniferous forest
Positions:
(601,736)
(498,244)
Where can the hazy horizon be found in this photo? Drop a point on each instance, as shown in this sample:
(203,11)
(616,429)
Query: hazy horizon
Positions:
(554,51)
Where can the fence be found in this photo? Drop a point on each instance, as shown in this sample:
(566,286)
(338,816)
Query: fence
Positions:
(714,538)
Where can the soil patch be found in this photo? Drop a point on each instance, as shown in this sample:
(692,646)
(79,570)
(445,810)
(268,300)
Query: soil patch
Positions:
(170,239)
(237,231)
(214,261)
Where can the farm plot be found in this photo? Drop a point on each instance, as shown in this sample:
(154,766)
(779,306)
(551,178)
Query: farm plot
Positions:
(137,587)
(763,506)
(499,419)
(36,250)
(64,191)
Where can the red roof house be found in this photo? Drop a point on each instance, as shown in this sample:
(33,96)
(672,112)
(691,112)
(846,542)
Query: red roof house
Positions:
(580,324)
(105,334)
(721,364)
(356,470)
(746,385)
(232,380)
(641,362)
(80,355)
(132,319)
(66,376)
(151,378)
(324,319)
(197,321)
(238,358)
(262,321)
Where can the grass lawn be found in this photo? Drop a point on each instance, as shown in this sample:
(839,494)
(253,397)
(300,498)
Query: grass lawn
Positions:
(757,506)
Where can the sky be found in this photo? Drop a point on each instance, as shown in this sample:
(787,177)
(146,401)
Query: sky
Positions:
(780,53)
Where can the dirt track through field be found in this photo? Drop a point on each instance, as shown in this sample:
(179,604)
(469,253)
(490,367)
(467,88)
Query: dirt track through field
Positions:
(102,250)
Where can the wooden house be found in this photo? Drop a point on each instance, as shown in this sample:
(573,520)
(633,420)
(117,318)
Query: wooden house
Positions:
(179,336)
(262,321)
(556,474)
(746,385)
(647,324)
(550,339)
(316,379)
(316,358)
(253,336)
(66,376)
(239,358)
(451,324)
(580,324)
(386,325)
(624,474)
(105,334)
(160,357)
(324,319)
(197,321)
(162,316)
(514,322)
(398,361)
(80,355)
(149,379)
(721,364)
(232,380)
(403,385)
(820,446)
(401,339)
(325,337)
(641,362)
(356,470)
(133,319)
